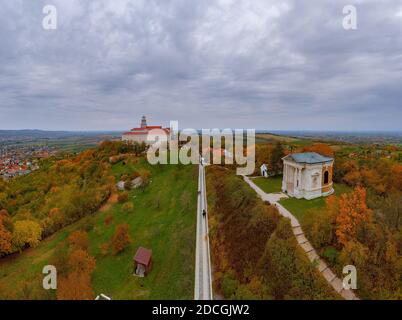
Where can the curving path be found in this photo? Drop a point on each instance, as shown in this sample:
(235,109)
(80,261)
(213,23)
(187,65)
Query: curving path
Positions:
(322,267)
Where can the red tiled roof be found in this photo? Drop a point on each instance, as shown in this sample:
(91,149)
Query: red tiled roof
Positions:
(143,256)
(147,127)
(146,130)
(135,132)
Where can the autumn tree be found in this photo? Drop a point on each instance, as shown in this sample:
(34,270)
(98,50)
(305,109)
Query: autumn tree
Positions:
(123,196)
(319,223)
(53,222)
(26,232)
(77,284)
(80,260)
(108,220)
(5,234)
(104,249)
(353,211)
(321,148)
(392,210)
(79,240)
(74,286)
(121,238)
(56,216)
(128,207)
(275,162)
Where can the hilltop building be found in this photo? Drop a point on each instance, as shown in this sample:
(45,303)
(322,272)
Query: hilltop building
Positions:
(307,175)
(144,133)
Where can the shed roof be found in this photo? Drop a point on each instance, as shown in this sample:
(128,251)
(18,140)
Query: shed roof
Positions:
(308,157)
(143,256)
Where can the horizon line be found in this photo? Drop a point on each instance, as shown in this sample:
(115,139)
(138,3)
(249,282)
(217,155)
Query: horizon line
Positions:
(245,128)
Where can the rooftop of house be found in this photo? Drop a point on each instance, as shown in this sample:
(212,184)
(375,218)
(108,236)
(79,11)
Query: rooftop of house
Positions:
(143,256)
(308,157)
(146,130)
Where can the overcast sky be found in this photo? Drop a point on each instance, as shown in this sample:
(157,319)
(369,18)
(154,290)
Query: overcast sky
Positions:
(264,64)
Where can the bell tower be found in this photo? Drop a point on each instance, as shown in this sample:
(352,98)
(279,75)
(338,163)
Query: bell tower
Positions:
(143,122)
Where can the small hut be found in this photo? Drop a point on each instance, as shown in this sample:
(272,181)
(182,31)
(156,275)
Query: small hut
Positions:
(142,262)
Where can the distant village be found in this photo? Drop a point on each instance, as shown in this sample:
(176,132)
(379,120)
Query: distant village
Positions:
(17,160)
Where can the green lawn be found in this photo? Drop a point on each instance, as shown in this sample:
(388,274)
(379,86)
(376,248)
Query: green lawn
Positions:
(299,207)
(269,185)
(163,219)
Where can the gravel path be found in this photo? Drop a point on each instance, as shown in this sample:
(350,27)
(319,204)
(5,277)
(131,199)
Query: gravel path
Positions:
(322,267)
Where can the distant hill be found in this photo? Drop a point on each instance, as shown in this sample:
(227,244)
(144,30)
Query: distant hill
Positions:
(366,137)
(43,134)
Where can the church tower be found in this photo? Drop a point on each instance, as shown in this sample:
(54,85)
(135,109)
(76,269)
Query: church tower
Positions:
(143,122)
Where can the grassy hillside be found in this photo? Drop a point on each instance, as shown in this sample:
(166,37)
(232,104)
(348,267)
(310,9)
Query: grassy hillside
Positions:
(254,252)
(269,185)
(163,219)
(299,207)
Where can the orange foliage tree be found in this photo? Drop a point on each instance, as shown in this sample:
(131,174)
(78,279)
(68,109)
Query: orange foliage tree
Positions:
(79,240)
(320,148)
(353,211)
(121,238)
(77,284)
(5,235)
(80,260)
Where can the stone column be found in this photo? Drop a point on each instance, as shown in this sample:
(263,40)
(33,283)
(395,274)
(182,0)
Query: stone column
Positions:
(300,178)
(285,177)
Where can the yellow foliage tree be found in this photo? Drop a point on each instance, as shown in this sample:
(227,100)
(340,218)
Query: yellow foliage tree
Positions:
(26,232)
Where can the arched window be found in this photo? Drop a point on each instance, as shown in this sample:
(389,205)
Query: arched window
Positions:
(326,177)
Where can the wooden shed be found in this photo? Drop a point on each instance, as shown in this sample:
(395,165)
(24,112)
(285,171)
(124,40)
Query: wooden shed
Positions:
(142,262)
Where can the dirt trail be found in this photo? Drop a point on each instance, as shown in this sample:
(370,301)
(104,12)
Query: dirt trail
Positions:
(112,200)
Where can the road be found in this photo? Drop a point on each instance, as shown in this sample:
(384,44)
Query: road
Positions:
(203,279)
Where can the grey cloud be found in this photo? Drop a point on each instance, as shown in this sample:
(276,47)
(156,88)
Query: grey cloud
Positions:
(263,64)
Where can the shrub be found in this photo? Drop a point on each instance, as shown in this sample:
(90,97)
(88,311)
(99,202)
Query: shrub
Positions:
(123,196)
(121,238)
(79,240)
(108,220)
(104,249)
(128,207)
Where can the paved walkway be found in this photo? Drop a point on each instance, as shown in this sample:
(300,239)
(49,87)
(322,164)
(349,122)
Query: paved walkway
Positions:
(203,278)
(322,267)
